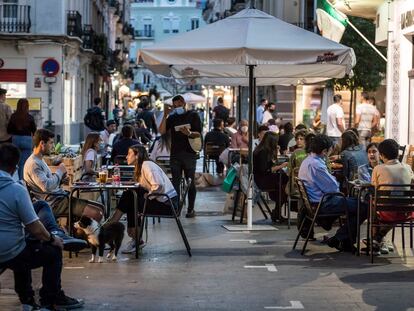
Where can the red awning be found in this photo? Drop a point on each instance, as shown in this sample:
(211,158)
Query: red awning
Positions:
(12,75)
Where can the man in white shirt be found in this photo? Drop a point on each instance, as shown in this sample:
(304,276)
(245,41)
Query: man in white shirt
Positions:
(268,114)
(260,111)
(366,118)
(335,126)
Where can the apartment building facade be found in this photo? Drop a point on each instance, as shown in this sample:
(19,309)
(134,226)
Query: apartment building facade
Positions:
(83,43)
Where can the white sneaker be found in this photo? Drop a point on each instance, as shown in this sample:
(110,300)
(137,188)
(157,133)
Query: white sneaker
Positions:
(129,248)
(384,248)
(390,245)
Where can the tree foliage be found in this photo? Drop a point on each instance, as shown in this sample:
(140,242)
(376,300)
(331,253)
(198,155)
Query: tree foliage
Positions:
(370,68)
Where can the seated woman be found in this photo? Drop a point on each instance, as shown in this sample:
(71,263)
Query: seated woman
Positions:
(303,141)
(265,171)
(90,156)
(365,171)
(390,172)
(352,155)
(152,179)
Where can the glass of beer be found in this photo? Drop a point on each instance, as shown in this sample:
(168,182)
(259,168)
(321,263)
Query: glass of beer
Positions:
(103,176)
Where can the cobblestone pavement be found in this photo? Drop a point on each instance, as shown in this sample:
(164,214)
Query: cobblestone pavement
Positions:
(216,277)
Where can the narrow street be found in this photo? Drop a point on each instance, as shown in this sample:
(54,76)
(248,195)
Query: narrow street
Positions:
(216,277)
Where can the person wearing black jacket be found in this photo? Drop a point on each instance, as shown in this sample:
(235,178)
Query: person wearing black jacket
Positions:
(95,117)
(266,175)
(147,115)
(183,157)
(219,138)
(120,148)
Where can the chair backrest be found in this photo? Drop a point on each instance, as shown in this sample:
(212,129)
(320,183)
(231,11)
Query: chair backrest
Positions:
(402,152)
(184,187)
(304,196)
(213,150)
(30,190)
(410,156)
(164,163)
(394,198)
(120,160)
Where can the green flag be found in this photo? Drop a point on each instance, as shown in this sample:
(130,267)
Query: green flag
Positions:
(331,23)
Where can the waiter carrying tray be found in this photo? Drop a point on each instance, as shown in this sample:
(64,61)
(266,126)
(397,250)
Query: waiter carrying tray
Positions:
(185,130)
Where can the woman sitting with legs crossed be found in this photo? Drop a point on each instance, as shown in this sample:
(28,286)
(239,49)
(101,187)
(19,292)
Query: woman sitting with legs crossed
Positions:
(151,179)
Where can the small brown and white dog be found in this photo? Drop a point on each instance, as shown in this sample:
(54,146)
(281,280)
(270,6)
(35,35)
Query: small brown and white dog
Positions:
(111,234)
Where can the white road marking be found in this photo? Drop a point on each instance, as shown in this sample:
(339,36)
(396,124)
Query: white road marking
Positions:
(250,241)
(294,305)
(269,267)
(73,268)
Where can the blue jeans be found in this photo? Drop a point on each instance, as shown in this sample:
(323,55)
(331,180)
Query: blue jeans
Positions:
(46,217)
(24,143)
(337,204)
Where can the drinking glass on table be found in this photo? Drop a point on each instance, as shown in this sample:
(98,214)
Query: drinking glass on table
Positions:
(103,176)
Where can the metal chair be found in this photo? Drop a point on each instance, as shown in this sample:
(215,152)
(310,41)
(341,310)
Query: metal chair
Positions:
(212,152)
(312,212)
(401,152)
(391,198)
(174,213)
(164,163)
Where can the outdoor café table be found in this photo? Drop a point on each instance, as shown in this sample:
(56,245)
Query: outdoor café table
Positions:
(359,188)
(97,187)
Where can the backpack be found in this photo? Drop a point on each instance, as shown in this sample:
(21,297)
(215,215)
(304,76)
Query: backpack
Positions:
(93,119)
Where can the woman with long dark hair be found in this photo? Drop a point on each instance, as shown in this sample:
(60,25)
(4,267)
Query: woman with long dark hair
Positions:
(22,127)
(266,171)
(90,155)
(352,155)
(151,179)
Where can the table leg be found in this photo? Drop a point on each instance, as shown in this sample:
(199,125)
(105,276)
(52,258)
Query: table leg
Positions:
(359,225)
(108,203)
(136,223)
(70,215)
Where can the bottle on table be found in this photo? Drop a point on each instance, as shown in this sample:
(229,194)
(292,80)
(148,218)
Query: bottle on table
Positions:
(116,175)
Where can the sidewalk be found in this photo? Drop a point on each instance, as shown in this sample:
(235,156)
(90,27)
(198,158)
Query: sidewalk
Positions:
(216,277)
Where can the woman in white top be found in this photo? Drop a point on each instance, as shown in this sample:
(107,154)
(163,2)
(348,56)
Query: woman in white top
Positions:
(151,179)
(90,155)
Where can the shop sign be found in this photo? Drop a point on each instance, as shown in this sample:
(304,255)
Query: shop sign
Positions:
(37,83)
(407,19)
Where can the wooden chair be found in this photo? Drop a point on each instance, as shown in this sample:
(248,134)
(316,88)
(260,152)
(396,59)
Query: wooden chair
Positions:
(211,153)
(401,152)
(174,213)
(312,212)
(399,199)
(410,156)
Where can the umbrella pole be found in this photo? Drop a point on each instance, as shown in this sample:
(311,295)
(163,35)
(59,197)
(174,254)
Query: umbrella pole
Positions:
(239,99)
(250,158)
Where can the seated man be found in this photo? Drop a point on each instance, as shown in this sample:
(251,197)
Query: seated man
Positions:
(219,138)
(39,177)
(391,171)
(121,146)
(318,181)
(43,249)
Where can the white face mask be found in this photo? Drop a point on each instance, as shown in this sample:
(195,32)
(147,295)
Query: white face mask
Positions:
(244,129)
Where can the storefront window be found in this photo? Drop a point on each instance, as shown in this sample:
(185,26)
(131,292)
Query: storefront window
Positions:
(14,90)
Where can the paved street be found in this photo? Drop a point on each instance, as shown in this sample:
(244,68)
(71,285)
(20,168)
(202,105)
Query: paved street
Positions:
(216,278)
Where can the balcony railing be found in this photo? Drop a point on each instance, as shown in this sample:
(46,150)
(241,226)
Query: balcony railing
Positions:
(144,33)
(74,24)
(307,25)
(144,1)
(14,18)
(88,36)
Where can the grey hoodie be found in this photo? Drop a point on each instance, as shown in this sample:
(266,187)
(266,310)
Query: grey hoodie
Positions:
(16,210)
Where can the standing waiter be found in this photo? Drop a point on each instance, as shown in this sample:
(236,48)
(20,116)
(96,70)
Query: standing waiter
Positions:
(184,126)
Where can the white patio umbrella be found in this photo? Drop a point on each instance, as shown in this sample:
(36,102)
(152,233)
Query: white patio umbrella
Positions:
(250,48)
(190,98)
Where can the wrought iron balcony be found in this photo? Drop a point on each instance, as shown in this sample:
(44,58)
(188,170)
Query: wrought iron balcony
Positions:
(88,36)
(144,1)
(144,33)
(15,18)
(74,24)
